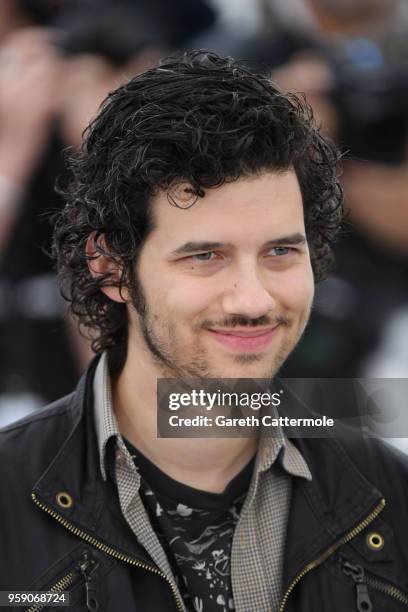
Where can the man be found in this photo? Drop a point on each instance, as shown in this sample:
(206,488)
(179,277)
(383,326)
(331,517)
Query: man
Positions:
(198,219)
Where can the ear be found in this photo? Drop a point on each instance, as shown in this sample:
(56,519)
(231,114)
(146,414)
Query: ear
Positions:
(103,264)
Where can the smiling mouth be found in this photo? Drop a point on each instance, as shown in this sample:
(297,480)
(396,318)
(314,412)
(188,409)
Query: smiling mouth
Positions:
(244,340)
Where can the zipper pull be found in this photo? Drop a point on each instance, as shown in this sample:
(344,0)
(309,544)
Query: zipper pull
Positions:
(87,567)
(356,572)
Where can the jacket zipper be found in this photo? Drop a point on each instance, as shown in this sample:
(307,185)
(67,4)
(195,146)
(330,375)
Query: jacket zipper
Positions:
(85,568)
(105,548)
(62,585)
(363,579)
(357,573)
(349,536)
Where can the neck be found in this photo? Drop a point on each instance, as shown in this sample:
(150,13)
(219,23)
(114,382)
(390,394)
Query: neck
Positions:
(208,464)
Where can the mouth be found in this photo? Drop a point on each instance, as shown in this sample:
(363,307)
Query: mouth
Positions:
(244,340)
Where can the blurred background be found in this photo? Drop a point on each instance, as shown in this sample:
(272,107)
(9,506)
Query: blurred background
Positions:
(59,59)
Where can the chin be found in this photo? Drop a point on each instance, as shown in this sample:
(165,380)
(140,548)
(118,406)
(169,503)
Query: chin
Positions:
(248,370)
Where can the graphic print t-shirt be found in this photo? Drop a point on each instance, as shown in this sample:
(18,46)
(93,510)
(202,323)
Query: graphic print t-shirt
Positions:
(195,529)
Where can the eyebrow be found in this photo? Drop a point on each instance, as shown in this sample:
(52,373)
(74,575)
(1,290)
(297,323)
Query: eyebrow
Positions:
(291,240)
(194,247)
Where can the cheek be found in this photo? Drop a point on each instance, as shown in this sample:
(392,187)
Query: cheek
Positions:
(296,289)
(174,300)
(170,298)
(186,301)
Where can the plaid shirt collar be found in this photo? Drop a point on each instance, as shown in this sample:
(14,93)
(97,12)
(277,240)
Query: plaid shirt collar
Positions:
(269,449)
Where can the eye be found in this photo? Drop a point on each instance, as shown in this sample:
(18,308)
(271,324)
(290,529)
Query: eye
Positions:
(279,251)
(209,256)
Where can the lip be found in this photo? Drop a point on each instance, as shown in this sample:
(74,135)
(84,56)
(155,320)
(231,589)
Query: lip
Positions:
(244,340)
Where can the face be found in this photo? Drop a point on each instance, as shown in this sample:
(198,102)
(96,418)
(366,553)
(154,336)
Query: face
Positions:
(227,284)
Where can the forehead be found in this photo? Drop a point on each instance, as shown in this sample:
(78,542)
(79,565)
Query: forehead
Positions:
(259,206)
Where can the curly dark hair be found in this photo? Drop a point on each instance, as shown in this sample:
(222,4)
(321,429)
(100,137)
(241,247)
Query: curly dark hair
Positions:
(198,119)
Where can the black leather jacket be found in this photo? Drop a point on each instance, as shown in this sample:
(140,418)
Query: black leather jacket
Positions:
(61,527)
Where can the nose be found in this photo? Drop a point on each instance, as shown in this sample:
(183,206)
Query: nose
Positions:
(247,295)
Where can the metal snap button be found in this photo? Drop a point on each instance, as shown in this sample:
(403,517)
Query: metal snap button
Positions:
(64,499)
(375,540)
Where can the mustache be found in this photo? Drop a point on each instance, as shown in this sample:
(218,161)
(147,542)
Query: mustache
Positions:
(241,321)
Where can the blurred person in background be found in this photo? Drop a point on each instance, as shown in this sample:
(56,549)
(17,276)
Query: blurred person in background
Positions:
(52,80)
(19,14)
(29,69)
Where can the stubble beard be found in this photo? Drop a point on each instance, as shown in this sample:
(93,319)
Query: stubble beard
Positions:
(171,366)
